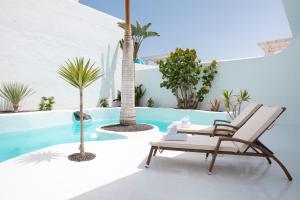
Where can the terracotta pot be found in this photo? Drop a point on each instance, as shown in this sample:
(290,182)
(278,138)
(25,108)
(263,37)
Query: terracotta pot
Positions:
(16,107)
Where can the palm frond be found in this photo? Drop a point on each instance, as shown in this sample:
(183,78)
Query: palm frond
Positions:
(79,73)
(151,34)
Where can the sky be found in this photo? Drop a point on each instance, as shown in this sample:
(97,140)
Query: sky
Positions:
(217,29)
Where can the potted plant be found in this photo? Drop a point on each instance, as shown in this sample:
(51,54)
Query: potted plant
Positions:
(15,92)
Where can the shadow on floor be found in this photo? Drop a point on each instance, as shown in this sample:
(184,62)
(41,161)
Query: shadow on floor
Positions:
(185,177)
(36,158)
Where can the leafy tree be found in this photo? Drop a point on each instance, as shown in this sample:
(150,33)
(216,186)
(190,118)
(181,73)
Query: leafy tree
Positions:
(15,92)
(186,77)
(80,74)
(139,34)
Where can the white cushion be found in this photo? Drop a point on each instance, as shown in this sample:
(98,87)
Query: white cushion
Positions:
(174,137)
(241,119)
(198,142)
(238,121)
(205,130)
(261,120)
(195,128)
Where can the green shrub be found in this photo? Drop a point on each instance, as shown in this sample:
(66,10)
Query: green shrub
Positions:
(215,105)
(150,102)
(119,96)
(103,103)
(139,93)
(46,103)
(182,72)
(233,103)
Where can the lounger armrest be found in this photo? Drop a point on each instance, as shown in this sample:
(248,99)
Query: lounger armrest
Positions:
(230,132)
(251,144)
(227,125)
(234,140)
(219,120)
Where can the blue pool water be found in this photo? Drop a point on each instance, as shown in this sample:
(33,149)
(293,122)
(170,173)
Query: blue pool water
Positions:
(13,144)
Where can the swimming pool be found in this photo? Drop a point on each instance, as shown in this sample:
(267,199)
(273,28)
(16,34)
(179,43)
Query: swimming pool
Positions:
(26,132)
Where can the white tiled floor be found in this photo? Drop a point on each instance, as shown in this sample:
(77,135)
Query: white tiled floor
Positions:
(118,173)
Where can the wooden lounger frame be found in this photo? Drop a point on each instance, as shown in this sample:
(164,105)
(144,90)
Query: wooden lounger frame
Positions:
(220,125)
(260,150)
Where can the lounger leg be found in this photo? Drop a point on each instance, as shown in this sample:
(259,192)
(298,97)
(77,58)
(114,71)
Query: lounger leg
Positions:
(212,163)
(283,168)
(155,151)
(268,159)
(206,156)
(149,156)
(264,146)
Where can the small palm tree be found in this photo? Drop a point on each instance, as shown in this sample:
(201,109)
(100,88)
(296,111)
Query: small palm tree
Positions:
(15,92)
(139,34)
(80,74)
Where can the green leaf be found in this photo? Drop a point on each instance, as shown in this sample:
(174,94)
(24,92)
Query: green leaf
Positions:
(79,73)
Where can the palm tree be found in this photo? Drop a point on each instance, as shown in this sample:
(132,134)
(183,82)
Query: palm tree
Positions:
(80,74)
(139,34)
(127,115)
(15,92)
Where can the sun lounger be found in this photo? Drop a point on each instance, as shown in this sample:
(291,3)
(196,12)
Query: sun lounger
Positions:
(243,143)
(222,127)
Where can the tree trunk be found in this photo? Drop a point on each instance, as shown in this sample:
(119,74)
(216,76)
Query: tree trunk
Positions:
(127,115)
(81,147)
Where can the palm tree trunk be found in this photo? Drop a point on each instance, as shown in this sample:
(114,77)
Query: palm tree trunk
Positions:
(81,147)
(127,115)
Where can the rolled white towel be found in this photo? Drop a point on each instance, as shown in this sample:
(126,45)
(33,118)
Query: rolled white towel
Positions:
(172,129)
(174,137)
(185,119)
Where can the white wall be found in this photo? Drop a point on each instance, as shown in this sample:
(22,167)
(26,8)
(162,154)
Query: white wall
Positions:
(38,36)
(270,80)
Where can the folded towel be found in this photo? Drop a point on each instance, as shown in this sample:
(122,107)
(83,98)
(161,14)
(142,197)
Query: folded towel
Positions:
(182,125)
(174,137)
(172,129)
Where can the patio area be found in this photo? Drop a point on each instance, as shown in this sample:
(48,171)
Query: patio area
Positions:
(118,172)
